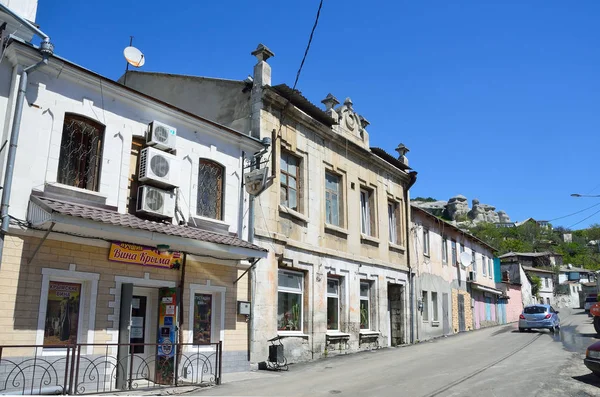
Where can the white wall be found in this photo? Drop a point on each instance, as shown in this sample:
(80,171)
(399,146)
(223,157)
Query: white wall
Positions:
(52,92)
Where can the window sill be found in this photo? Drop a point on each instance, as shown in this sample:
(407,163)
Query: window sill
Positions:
(336,229)
(369,334)
(426,255)
(368,239)
(337,335)
(291,334)
(59,189)
(397,247)
(435,323)
(293,214)
(212,225)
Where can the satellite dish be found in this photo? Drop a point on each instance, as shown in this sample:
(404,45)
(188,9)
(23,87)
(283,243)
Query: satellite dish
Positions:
(465,259)
(134,57)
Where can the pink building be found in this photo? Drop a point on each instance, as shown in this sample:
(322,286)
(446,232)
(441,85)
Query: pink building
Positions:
(514,304)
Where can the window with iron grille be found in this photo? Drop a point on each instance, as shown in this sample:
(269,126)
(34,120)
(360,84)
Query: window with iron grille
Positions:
(210,190)
(80,152)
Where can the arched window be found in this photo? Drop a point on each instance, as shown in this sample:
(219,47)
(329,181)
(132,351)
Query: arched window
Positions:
(80,152)
(210,190)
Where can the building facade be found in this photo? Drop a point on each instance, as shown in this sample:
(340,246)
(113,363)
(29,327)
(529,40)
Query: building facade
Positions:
(451,297)
(126,212)
(547,279)
(333,217)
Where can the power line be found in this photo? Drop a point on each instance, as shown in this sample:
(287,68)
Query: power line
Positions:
(312,32)
(583,219)
(575,213)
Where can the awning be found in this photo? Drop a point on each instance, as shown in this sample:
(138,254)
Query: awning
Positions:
(87,221)
(486,289)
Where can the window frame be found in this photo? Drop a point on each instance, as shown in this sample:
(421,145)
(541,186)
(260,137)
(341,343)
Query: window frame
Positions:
(474,260)
(368,211)
(217,312)
(445,250)
(339,197)
(88,300)
(485,267)
(434,305)
(221,198)
(63,161)
(425,301)
(490,268)
(292,291)
(366,298)
(338,297)
(285,187)
(454,250)
(426,242)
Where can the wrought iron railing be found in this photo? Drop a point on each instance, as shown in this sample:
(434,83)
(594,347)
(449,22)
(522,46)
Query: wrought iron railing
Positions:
(101,368)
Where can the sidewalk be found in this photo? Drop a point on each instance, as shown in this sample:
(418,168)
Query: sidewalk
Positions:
(173,391)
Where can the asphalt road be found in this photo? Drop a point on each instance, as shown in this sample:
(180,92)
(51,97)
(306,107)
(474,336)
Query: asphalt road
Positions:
(498,361)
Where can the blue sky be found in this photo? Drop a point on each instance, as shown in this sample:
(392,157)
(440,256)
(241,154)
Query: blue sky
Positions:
(497,100)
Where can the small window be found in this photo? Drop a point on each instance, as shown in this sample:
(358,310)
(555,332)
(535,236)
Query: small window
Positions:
(444,250)
(290,181)
(454,254)
(484,267)
(367,212)
(333,211)
(290,293)
(425,306)
(210,190)
(365,307)
(80,152)
(491,273)
(394,222)
(474,262)
(546,281)
(203,319)
(434,305)
(425,241)
(62,314)
(333,304)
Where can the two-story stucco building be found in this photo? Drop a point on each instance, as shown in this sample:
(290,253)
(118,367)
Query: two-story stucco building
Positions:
(126,218)
(334,216)
(451,297)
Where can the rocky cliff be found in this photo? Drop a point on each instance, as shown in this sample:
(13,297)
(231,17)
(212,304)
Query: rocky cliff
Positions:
(457,210)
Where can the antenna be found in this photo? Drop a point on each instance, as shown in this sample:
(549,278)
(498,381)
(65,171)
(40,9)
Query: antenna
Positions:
(134,57)
(465,259)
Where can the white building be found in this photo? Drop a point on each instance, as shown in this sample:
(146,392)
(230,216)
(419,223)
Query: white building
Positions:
(119,199)
(546,292)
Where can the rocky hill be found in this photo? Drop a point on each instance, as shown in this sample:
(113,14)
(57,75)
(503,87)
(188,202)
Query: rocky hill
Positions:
(457,210)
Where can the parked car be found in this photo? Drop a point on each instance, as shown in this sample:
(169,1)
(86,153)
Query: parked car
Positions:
(539,317)
(589,301)
(592,358)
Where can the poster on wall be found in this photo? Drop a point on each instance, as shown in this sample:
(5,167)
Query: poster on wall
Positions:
(202,318)
(167,335)
(62,314)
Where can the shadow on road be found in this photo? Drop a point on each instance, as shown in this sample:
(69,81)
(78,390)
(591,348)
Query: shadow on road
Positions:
(589,379)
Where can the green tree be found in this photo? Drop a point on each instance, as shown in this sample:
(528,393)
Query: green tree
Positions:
(536,285)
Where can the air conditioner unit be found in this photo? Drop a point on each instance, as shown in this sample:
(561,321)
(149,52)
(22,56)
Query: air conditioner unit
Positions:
(161,136)
(160,168)
(156,202)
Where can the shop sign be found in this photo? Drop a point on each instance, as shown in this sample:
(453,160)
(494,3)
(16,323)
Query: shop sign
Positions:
(145,256)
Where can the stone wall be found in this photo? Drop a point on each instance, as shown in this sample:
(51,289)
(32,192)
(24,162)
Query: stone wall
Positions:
(468,310)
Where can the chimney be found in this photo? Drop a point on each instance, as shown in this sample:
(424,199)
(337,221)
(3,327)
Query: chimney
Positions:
(402,150)
(262,70)
(330,103)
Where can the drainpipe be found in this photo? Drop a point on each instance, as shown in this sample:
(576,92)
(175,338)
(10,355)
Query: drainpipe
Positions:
(411,182)
(46,49)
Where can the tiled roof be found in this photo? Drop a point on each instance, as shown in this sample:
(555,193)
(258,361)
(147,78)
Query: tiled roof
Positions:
(529,254)
(389,158)
(127,220)
(300,101)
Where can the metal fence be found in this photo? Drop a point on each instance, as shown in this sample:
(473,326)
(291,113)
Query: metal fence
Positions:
(101,368)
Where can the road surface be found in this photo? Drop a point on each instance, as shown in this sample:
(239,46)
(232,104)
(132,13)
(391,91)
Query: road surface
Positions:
(497,361)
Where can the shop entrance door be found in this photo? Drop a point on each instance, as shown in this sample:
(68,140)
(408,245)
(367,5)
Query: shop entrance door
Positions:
(143,330)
